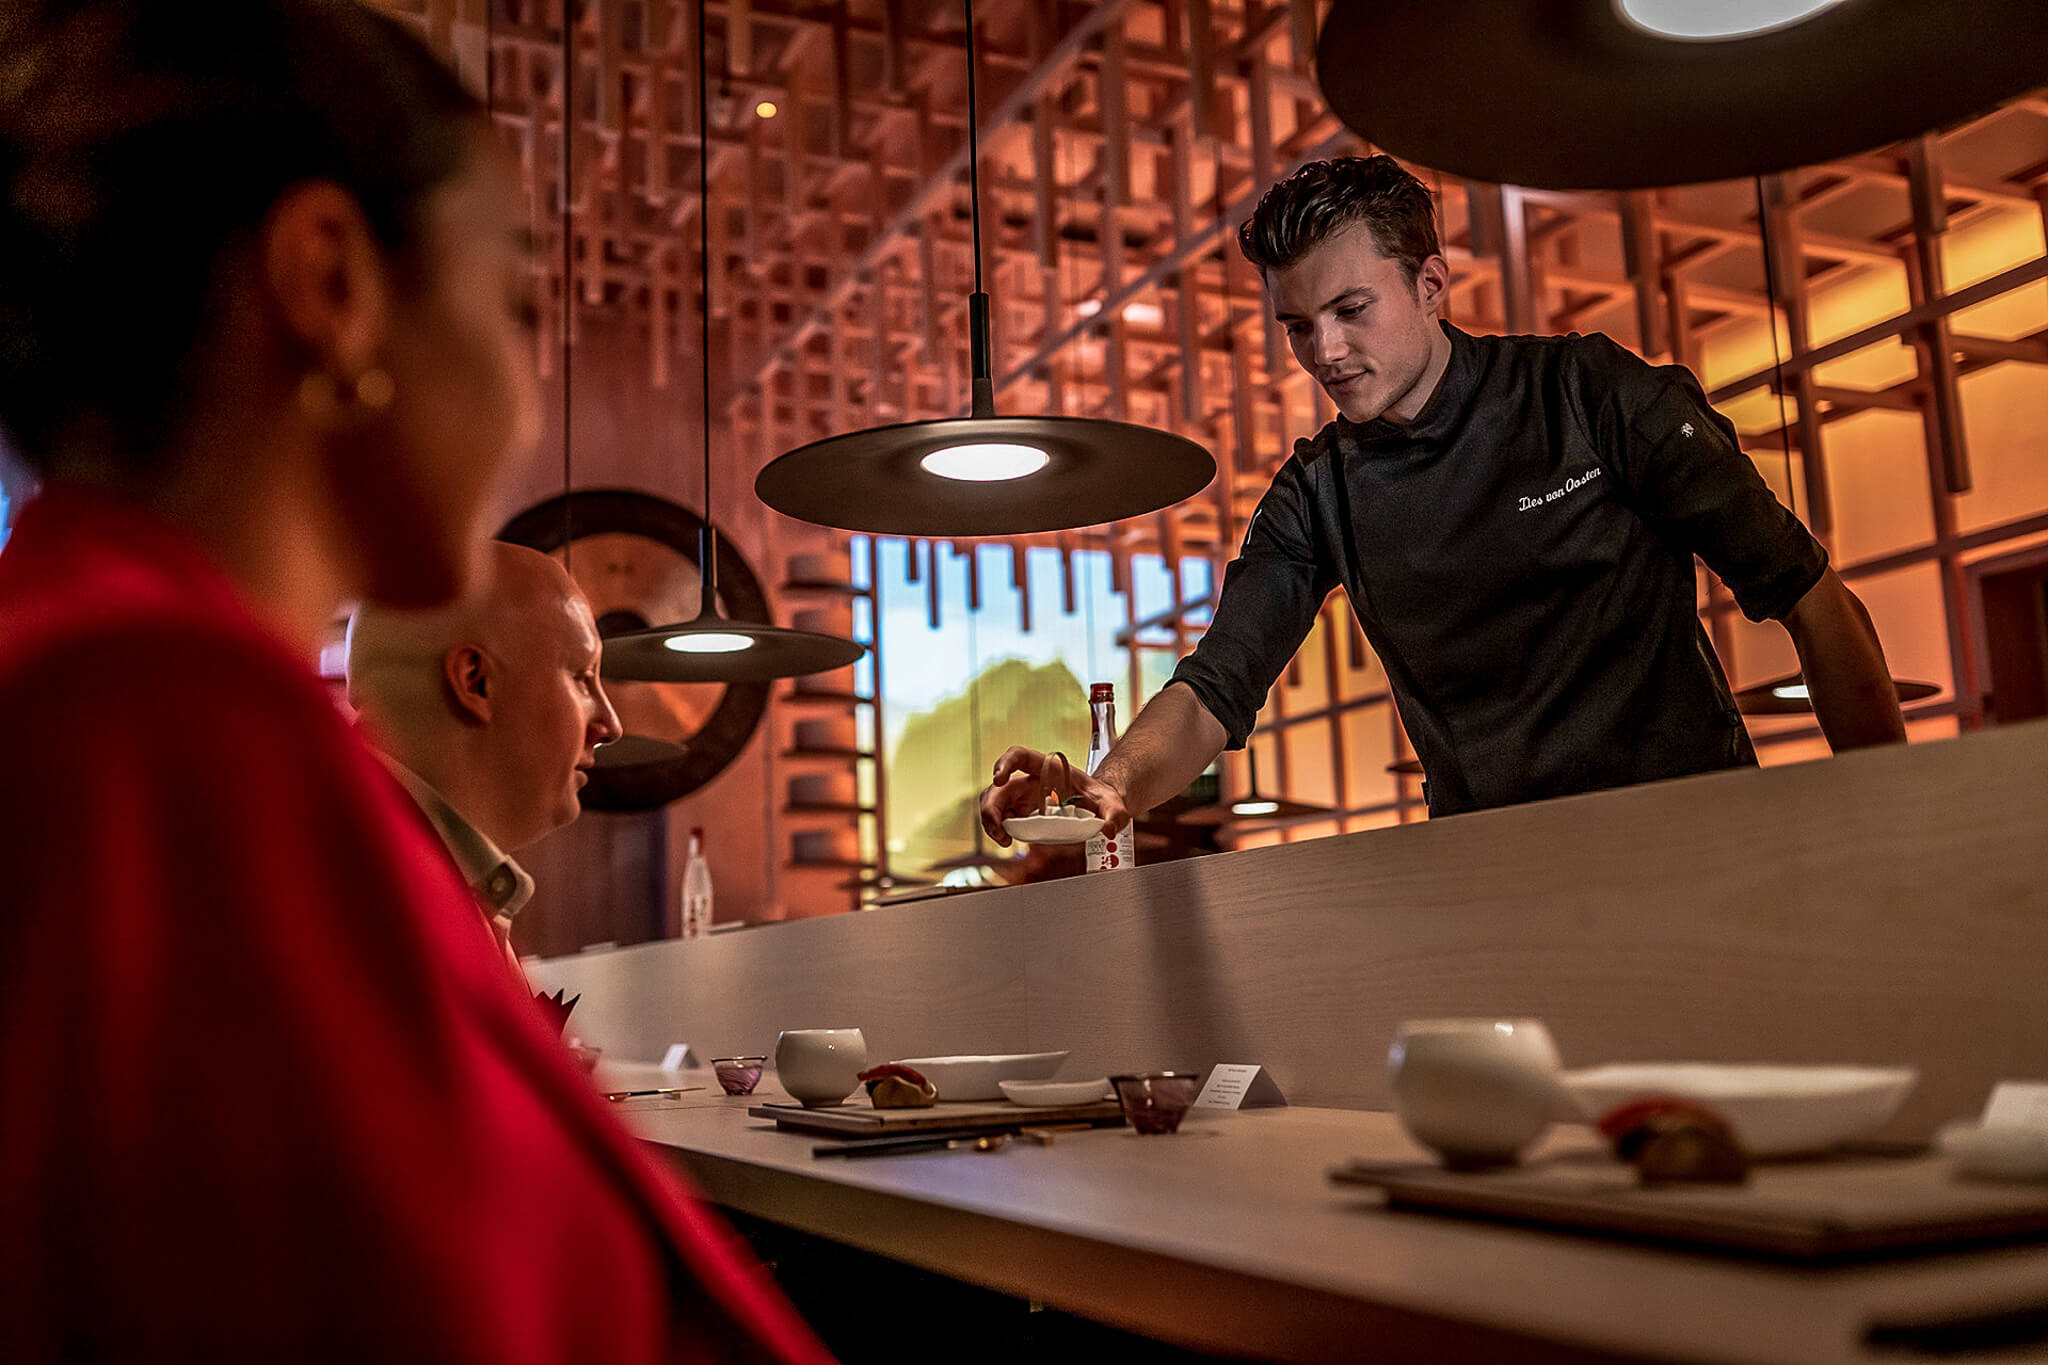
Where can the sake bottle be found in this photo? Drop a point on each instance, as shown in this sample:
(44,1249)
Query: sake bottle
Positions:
(696,888)
(1106,854)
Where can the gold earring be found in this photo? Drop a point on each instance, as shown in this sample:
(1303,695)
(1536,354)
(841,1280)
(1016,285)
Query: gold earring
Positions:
(319,396)
(325,399)
(374,389)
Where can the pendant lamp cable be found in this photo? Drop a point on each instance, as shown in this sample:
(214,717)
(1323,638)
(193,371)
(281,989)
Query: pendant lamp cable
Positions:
(1765,231)
(568,258)
(978,344)
(973,151)
(709,568)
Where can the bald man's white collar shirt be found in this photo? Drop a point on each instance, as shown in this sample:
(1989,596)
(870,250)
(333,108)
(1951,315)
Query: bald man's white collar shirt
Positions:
(502,887)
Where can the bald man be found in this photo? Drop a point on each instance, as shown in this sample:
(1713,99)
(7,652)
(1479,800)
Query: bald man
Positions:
(489,712)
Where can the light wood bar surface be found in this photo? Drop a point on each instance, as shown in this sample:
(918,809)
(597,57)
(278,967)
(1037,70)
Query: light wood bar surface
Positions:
(1227,1236)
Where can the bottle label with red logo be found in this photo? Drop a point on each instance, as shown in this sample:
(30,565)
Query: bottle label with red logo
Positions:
(1105,854)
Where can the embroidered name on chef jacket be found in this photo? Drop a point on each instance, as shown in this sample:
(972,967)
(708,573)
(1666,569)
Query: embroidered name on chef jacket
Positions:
(1571,485)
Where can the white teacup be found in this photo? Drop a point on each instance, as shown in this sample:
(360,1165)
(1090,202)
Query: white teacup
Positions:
(820,1066)
(1477,1091)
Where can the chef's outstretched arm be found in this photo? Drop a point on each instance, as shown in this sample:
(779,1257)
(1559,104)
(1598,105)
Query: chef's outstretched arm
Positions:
(1166,748)
(1846,675)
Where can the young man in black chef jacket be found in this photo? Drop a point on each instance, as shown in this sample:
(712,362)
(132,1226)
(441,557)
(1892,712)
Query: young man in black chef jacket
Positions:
(1514,520)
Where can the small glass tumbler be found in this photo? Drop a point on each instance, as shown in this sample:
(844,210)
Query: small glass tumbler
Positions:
(738,1075)
(1156,1101)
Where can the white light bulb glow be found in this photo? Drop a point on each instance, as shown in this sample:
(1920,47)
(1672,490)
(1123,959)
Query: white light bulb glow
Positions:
(1254,807)
(1791,692)
(1692,21)
(985,461)
(710,642)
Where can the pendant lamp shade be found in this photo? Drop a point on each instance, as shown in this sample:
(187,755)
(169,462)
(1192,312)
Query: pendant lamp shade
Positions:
(1095,471)
(1252,806)
(716,648)
(984,474)
(713,647)
(1788,696)
(635,751)
(1590,94)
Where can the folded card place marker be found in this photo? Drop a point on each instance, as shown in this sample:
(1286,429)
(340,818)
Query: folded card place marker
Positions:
(2018,1104)
(1239,1085)
(679,1056)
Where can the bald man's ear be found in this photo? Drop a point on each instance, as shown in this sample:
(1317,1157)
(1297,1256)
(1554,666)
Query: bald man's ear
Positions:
(466,670)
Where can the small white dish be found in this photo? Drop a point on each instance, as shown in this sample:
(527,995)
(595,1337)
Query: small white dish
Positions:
(981,1078)
(1995,1151)
(1047,1094)
(1053,829)
(1774,1110)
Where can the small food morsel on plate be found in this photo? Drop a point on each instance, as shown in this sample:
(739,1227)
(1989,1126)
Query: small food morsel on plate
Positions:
(898,1087)
(1673,1141)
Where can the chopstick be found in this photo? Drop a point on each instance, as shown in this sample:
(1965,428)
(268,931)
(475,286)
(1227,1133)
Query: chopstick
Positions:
(981,1142)
(616,1095)
(889,1146)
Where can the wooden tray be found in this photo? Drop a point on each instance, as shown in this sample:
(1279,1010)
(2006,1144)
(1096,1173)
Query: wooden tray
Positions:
(863,1120)
(1834,1209)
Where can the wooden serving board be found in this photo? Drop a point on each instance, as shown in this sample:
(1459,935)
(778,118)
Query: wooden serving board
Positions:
(1830,1209)
(861,1119)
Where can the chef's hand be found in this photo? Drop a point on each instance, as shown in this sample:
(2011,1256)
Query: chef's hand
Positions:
(1022,778)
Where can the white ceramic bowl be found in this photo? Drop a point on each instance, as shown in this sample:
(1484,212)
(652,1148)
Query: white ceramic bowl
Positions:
(820,1066)
(1046,1094)
(1053,829)
(1774,1110)
(981,1078)
(1475,1091)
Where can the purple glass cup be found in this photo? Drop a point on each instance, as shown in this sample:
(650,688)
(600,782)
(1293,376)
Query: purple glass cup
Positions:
(738,1075)
(1156,1101)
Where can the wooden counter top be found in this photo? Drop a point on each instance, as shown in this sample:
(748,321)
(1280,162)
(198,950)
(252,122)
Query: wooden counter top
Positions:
(1227,1236)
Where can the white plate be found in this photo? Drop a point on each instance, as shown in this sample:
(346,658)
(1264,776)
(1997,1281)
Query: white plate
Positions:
(1053,829)
(1995,1152)
(1045,1094)
(1775,1110)
(980,1078)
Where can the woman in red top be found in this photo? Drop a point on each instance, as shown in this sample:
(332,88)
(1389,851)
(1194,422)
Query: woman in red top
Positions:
(268,1093)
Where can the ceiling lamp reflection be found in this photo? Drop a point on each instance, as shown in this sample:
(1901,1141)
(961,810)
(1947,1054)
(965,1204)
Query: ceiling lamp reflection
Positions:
(984,475)
(1691,21)
(985,461)
(710,642)
(713,647)
(1623,94)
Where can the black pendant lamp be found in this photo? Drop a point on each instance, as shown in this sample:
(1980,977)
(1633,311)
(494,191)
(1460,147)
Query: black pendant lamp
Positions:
(983,474)
(714,647)
(1624,94)
(1788,696)
(1253,805)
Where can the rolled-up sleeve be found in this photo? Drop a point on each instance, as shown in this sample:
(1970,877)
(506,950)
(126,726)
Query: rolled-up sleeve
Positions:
(1687,476)
(1271,593)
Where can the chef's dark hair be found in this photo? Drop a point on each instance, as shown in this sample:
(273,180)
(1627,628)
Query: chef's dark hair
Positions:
(141,142)
(1298,213)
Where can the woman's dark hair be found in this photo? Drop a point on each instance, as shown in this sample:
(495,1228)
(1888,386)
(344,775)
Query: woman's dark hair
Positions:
(140,141)
(1299,212)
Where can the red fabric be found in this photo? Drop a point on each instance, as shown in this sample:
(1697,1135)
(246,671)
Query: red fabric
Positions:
(265,1091)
